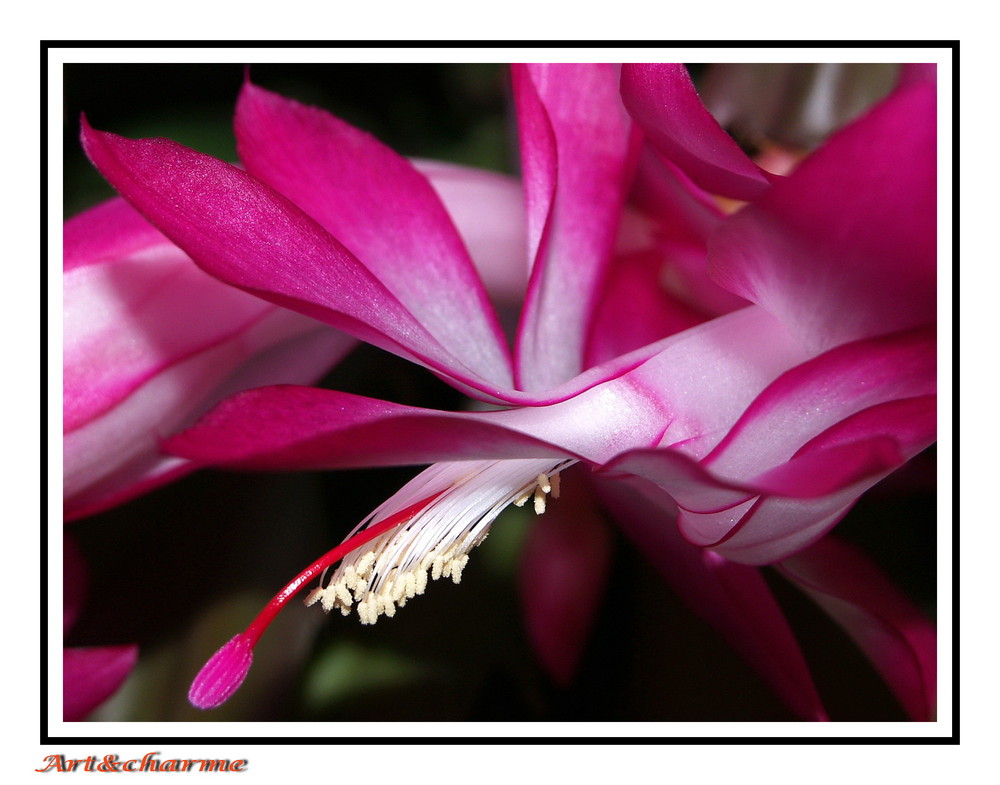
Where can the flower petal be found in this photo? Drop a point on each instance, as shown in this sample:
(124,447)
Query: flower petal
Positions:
(635,310)
(246,234)
(304,427)
(685,218)
(705,377)
(115,457)
(845,247)
(700,378)
(564,569)
(803,451)
(898,639)
(148,339)
(92,675)
(288,427)
(577,152)
(487,208)
(772,527)
(120,315)
(822,392)
(662,99)
(380,208)
(733,598)
(111,230)
(698,491)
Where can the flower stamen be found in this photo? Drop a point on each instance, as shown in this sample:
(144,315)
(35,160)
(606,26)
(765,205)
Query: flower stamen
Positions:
(435,543)
(392,554)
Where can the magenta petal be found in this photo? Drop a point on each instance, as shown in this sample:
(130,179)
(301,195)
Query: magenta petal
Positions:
(111,230)
(731,597)
(658,286)
(663,101)
(150,341)
(888,391)
(845,247)
(818,394)
(304,427)
(116,456)
(383,210)
(92,675)
(898,639)
(808,446)
(685,219)
(821,472)
(246,234)
(774,527)
(539,159)
(696,381)
(563,572)
(767,528)
(817,473)
(635,310)
(685,390)
(577,152)
(121,322)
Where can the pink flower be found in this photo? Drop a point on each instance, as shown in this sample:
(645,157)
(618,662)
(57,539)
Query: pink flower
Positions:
(757,430)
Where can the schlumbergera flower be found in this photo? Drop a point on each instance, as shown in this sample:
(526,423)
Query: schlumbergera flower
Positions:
(721,444)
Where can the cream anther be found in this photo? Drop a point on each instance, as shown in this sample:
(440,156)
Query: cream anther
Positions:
(539,500)
(313,596)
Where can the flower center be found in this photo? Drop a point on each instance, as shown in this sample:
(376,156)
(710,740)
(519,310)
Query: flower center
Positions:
(424,531)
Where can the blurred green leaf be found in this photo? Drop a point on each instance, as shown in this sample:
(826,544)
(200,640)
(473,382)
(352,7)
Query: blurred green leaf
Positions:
(345,670)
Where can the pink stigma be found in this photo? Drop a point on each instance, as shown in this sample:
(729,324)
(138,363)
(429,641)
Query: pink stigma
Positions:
(223,674)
